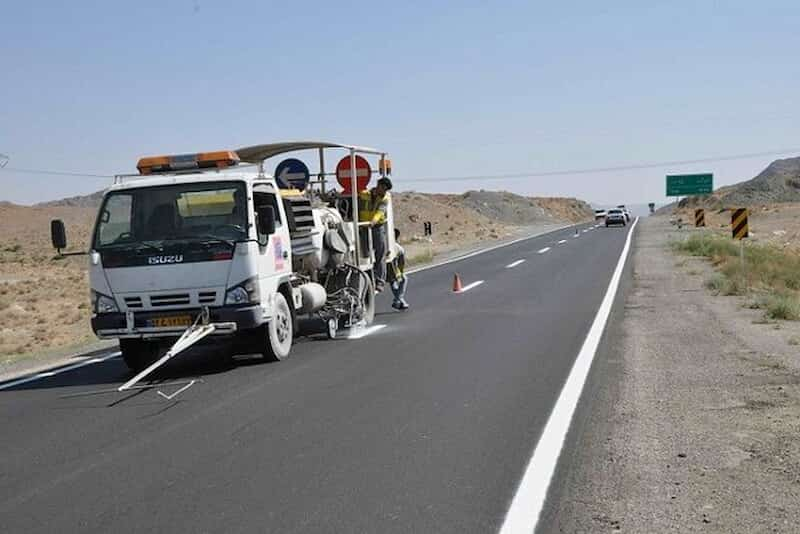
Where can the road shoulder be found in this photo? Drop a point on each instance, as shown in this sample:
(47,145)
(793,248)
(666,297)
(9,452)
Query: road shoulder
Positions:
(690,415)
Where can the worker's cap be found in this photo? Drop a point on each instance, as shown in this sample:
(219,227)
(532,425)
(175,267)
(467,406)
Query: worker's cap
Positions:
(386,183)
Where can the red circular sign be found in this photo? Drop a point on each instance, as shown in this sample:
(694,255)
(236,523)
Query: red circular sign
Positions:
(344,174)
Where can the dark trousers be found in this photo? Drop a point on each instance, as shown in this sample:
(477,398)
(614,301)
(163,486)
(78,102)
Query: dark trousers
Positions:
(379,246)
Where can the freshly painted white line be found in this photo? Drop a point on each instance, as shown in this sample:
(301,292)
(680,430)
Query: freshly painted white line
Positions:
(514,264)
(523,514)
(485,250)
(562,241)
(54,372)
(542,251)
(470,286)
(360,332)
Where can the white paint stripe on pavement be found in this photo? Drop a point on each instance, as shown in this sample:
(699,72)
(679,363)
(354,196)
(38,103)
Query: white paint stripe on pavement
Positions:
(55,372)
(358,333)
(562,241)
(514,264)
(470,286)
(485,250)
(542,251)
(523,514)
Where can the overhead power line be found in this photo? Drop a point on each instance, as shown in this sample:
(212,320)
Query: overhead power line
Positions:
(58,173)
(597,170)
(510,176)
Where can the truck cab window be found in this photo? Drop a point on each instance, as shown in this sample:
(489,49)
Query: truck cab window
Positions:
(264,196)
(115,219)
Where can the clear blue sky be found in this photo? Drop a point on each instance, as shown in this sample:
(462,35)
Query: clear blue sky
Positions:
(448,88)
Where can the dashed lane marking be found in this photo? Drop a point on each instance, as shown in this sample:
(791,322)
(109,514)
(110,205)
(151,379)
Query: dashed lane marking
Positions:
(529,499)
(470,286)
(514,264)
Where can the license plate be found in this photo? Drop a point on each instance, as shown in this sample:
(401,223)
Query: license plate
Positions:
(173,321)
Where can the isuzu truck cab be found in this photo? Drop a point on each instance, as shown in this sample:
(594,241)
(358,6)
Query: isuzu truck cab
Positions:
(202,237)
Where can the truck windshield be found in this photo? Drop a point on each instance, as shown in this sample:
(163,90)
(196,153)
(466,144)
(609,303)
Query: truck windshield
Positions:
(153,217)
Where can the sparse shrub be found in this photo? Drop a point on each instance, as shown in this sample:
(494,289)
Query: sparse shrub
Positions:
(716,283)
(423,257)
(782,306)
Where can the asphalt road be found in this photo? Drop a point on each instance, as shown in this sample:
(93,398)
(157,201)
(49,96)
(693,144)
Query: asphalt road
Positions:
(425,425)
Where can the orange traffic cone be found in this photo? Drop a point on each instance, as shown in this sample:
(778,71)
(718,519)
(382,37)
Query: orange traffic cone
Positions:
(456,283)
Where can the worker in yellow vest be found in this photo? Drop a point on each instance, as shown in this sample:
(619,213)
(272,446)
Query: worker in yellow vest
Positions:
(372,207)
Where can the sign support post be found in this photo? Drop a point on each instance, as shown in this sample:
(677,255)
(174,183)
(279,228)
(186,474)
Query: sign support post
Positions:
(354,200)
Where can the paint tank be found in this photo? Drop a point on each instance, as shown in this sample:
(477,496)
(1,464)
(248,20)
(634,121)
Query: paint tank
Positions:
(313,296)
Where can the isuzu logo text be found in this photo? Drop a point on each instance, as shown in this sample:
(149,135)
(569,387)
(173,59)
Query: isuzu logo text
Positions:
(160,260)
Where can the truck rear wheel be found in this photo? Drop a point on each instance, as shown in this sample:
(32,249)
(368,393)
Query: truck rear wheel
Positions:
(279,331)
(138,353)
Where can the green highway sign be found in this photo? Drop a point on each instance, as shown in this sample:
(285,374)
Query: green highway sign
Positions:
(689,184)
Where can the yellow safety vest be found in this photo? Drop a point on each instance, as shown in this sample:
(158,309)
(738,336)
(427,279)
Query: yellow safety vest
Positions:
(371,208)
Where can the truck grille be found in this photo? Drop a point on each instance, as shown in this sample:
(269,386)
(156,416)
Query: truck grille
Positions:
(133,303)
(176,299)
(207,297)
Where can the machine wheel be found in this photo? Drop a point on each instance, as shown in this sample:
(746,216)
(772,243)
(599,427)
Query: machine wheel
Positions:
(279,331)
(368,301)
(138,353)
(332,328)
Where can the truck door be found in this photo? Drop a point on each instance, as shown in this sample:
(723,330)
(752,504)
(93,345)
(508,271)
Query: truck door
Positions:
(274,259)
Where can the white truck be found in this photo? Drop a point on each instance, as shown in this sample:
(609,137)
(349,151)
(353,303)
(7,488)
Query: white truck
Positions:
(204,239)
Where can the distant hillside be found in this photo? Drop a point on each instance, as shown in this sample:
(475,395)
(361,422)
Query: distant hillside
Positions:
(85,201)
(779,182)
(514,209)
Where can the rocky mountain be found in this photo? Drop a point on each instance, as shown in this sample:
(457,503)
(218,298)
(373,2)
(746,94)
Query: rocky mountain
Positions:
(779,182)
(82,201)
(513,209)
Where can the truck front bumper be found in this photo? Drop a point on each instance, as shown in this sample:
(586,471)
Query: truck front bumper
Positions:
(228,320)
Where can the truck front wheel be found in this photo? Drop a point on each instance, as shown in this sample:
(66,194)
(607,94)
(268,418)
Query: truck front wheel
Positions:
(279,331)
(138,353)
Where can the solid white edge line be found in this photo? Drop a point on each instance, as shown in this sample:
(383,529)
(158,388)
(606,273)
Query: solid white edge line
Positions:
(470,286)
(57,371)
(485,250)
(528,501)
(514,264)
(542,251)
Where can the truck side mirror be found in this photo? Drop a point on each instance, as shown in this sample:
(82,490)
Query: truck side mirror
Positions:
(266,220)
(58,234)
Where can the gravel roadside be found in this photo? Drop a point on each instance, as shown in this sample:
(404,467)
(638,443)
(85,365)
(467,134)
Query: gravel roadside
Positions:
(692,417)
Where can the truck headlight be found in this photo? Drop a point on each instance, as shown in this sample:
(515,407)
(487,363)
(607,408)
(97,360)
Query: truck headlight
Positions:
(103,303)
(248,292)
